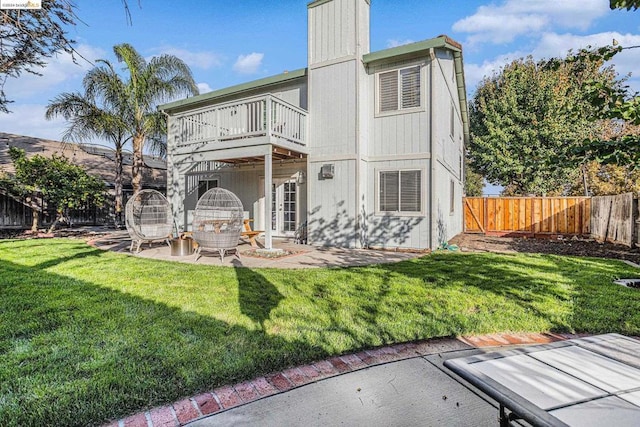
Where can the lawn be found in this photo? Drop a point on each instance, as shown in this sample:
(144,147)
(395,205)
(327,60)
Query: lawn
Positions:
(87,336)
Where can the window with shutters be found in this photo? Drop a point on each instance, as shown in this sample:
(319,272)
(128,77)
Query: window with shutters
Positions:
(400,191)
(399,90)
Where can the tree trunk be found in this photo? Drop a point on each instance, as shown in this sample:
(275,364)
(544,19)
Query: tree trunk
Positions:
(136,168)
(59,218)
(35,216)
(584,180)
(118,186)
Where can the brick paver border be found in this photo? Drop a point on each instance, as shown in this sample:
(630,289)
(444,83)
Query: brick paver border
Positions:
(231,396)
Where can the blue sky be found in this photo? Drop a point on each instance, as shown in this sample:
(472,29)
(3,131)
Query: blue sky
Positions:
(226,42)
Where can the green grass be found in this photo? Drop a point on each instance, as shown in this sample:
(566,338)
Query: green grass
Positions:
(87,336)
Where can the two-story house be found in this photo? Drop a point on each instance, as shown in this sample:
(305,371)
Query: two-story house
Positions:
(365,147)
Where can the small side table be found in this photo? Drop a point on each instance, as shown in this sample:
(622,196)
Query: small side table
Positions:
(182,246)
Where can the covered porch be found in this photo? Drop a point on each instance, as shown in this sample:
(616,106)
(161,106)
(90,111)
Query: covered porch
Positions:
(254,147)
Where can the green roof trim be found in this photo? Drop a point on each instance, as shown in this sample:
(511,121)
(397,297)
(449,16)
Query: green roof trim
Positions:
(232,90)
(413,48)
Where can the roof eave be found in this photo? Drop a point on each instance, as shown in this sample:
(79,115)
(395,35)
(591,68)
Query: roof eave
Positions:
(234,90)
(412,49)
(462,95)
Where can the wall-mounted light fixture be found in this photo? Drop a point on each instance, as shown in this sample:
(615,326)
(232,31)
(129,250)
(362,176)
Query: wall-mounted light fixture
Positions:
(302,177)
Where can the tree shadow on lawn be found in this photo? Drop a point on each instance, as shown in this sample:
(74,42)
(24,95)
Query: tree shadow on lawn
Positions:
(74,353)
(79,248)
(257,296)
(591,304)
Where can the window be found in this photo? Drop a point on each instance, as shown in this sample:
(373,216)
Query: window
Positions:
(205,185)
(400,191)
(399,89)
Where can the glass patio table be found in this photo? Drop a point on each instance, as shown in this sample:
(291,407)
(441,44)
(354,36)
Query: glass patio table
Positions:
(592,381)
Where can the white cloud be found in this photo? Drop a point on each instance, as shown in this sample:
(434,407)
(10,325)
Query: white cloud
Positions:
(202,60)
(503,23)
(474,73)
(558,45)
(489,25)
(28,119)
(248,64)
(396,42)
(204,88)
(60,71)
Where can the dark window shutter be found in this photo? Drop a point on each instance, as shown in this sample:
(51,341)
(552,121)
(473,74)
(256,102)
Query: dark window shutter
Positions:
(410,187)
(410,78)
(388,91)
(389,194)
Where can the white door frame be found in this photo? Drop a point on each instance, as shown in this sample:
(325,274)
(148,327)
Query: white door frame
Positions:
(280,205)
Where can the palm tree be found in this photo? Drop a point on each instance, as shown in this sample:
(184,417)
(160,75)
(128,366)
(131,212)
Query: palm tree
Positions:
(87,120)
(162,79)
(125,110)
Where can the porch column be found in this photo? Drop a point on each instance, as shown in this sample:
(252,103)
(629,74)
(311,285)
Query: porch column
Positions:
(268,179)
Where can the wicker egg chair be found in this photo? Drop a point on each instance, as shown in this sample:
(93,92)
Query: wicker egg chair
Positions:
(217,222)
(148,218)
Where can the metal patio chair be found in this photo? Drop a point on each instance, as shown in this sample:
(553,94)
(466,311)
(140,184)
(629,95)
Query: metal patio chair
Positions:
(217,222)
(148,218)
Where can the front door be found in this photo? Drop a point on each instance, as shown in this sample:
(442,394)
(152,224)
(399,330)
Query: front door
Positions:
(284,207)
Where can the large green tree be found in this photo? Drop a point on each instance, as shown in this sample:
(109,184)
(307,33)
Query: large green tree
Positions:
(473,182)
(527,120)
(29,37)
(61,184)
(134,96)
(613,105)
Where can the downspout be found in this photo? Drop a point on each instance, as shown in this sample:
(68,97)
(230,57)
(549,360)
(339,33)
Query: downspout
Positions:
(432,156)
(358,231)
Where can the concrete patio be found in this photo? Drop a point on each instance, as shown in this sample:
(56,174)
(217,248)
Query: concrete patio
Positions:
(302,256)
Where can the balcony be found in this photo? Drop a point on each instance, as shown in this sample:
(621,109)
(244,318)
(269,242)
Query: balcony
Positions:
(251,121)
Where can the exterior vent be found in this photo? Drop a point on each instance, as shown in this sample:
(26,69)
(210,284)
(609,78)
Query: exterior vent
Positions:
(327,171)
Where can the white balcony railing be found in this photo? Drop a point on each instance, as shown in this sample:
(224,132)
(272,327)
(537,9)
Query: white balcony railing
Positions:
(251,117)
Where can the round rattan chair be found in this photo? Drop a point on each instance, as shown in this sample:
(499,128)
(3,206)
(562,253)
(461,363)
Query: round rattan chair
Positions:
(217,222)
(148,218)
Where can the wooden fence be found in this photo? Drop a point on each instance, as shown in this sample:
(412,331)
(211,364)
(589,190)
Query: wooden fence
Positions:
(13,213)
(528,216)
(612,218)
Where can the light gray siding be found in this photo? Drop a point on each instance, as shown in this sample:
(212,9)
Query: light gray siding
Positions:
(333,29)
(448,145)
(447,222)
(400,132)
(409,231)
(332,109)
(338,122)
(448,152)
(332,205)
(295,94)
